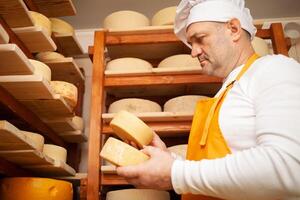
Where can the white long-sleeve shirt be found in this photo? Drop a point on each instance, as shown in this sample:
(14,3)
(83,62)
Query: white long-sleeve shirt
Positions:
(260,120)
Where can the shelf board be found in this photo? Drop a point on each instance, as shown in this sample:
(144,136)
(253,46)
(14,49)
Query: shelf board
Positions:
(62,124)
(73,136)
(55,8)
(68,44)
(112,179)
(14,61)
(15,13)
(35,39)
(4,37)
(56,168)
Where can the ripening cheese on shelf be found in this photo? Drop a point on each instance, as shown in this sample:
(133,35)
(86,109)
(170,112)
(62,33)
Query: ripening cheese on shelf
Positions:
(134,105)
(62,27)
(4,37)
(41,69)
(67,90)
(164,16)
(49,56)
(35,188)
(138,194)
(260,46)
(55,152)
(179,61)
(121,154)
(37,139)
(129,64)
(185,103)
(78,122)
(179,150)
(42,21)
(125,20)
(129,127)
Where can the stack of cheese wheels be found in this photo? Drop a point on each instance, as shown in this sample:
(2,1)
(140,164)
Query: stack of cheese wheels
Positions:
(55,152)
(42,21)
(185,103)
(61,27)
(4,37)
(125,20)
(129,127)
(165,16)
(260,46)
(121,154)
(41,69)
(179,150)
(129,65)
(49,56)
(179,61)
(35,188)
(134,105)
(36,139)
(138,194)
(67,90)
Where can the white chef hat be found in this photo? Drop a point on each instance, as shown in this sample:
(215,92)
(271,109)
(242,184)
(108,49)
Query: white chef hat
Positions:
(190,11)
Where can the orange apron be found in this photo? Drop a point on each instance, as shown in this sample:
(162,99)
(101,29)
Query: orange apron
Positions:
(206,140)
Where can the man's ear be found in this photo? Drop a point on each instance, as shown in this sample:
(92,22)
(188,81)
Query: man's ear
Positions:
(235,29)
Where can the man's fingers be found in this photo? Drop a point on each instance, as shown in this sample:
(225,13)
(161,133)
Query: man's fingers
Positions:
(150,150)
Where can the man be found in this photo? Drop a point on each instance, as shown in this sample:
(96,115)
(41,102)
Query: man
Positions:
(245,142)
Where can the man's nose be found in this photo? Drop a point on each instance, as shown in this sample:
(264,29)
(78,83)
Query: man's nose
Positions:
(196,51)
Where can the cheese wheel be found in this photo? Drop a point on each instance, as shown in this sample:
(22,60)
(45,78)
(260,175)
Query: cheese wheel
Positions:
(128,64)
(55,152)
(67,90)
(35,188)
(37,139)
(41,69)
(49,56)
(125,20)
(121,154)
(42,21)
(59,26)
(185,103)
(134,105)
(260,46)
(4,37)
(179,61)
(138,194)
(165,16)
(78,122)
(129,127)
(179,150)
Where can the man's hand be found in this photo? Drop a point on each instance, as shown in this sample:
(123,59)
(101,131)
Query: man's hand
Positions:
(154,173)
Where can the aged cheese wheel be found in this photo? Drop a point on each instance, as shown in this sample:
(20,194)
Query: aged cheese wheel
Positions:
(55,152)
(41,69)
(49,56)
(35,188)
(121,154)
(185,103)
(165,16)
(41,21)
(138,194)
(128,64)
(61,27)
(179,61)
(129,127)
(37,139)
(4,37)
(67,90)
(125,20)
(260,46)
(179,149)
(134,105)
(78,122)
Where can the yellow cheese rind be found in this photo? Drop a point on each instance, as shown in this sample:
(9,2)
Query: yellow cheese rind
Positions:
(67,90)
(41,69)
(164,16)
(121,154)
(134,105)
(128,64)
(4,37)
(179,61)
(55,152)
(37,139)
(260,46)
(49,56)
(78,122)
(129,127)
(42,21)
(179,150)
(137,194)
(185,103)
(35,188)
(61,27)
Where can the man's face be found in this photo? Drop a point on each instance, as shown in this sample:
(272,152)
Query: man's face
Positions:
(211,44)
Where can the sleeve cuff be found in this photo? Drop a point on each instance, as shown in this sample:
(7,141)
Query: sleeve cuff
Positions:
(177,176)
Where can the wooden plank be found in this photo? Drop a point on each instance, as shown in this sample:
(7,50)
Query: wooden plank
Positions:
(35,39)
(278,39)
(56,168)
(15,13)
(49,109)
(4,37)
(73,136)
(12,139)
(113,179)
(55,8)
(76,180)
(62,124)
(65,70)
(68,44)
(14,61)
(27,87)
(9,169)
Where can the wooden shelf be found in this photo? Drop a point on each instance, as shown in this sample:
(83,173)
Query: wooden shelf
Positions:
(112,179)
(56,168)
(68,45)
(73,136)
(62,124)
